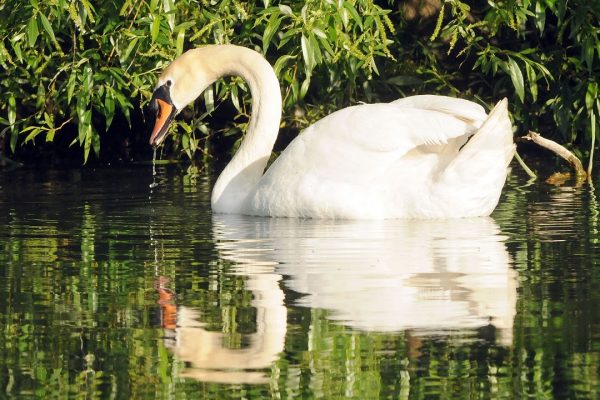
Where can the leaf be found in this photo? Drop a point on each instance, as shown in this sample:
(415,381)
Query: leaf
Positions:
(185,141)
(209,99)
(32,31)
(540,17)
(153,6)
(96,142)
(587,52)
(287,10)
(48,120)
(185,25)
(532,79)
(353,13)
(71,86)
(344,14)
(314,45)
(304,87)
(12,118)
(517,78)
(129,49)
(4,55)
(180,41)
(325,44)
(169,8)
(50,135)
(234,97)
(303,13)
(47,27)
(591,95)
(41,95)
(17,49)
(109,108)
(155,28)
(124,105)
(85,133)
(307,54)
(88,79)
(281,61)
(319,33)
(270,30)
(12,110)
(34,132)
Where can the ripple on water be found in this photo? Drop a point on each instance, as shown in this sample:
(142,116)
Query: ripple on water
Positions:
(151,293)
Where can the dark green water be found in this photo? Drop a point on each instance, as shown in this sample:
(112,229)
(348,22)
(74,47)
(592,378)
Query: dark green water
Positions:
(110,289)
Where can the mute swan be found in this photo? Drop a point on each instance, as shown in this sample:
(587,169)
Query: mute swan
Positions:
(404,159)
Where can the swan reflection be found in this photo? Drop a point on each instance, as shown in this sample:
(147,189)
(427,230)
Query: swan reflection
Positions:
(210,360)
(429,277)
(383,275)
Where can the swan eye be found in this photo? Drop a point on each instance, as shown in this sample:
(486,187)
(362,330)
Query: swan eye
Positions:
(169,83)
(154,105)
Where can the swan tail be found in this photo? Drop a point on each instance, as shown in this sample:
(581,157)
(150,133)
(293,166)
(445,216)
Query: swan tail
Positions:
(495,135)
(480,167)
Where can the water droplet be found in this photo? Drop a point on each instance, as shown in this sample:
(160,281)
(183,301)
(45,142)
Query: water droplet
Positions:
(154,183)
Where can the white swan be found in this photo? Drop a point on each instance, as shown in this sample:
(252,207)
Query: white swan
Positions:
(405,159)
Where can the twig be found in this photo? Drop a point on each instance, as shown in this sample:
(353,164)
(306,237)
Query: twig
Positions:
(558,150)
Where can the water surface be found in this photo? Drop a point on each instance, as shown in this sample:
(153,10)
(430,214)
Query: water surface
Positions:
(113,289)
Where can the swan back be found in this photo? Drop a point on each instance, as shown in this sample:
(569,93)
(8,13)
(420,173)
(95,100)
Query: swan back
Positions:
(405,159)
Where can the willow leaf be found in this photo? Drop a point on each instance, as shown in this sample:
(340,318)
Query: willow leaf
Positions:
(517,78)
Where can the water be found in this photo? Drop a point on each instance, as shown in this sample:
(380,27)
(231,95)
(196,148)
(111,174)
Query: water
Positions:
(113,288)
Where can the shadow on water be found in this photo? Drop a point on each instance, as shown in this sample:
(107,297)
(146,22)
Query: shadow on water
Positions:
(114,288)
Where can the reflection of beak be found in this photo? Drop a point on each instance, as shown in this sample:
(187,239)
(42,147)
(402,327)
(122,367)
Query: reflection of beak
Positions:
(166,301)
(165,114)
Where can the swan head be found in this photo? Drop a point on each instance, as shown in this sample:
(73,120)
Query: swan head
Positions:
(179,85)
(162,104)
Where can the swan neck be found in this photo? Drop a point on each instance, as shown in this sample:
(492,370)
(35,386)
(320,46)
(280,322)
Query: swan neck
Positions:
(245,169)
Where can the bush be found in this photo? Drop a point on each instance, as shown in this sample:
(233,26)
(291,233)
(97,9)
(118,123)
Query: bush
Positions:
(543,54)
(74,63)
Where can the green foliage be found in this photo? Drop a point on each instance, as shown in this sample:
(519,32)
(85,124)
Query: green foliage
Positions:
(72,62)
(543,54)
(76,63)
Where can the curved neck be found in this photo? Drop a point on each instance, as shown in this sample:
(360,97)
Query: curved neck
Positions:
(248,164)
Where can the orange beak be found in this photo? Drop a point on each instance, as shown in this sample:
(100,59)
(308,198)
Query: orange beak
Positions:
(164,116)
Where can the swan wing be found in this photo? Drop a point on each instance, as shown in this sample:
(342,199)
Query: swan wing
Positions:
(358,144)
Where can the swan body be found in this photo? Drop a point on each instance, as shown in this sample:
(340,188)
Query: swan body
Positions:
(417,157)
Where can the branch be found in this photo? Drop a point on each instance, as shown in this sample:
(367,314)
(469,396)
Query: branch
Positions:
(558,150)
